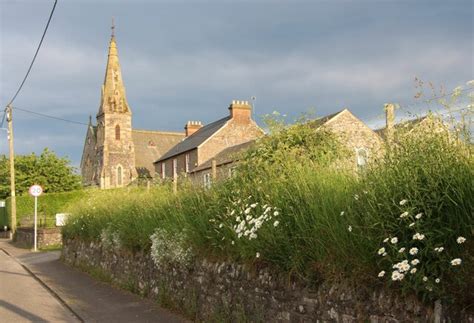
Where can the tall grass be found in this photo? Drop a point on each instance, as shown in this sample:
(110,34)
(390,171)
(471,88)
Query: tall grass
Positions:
(294,205)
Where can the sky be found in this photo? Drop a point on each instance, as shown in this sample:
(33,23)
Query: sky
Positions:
(187,60)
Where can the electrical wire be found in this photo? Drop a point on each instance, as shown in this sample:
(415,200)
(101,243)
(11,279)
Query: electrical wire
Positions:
(49,116)
(3,118)
(36,54)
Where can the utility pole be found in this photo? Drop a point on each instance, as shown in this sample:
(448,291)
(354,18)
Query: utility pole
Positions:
(12,169)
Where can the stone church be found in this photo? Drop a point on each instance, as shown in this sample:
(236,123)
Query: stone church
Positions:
(114,153)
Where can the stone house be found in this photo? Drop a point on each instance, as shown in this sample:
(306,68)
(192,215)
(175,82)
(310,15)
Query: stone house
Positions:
(202,143)
(114,153)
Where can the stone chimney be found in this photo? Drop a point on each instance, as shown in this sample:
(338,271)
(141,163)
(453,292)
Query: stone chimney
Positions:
(389,121)
(191,127)
(240,111)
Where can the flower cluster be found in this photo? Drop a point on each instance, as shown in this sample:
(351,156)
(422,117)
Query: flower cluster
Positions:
(250,216)
(168,248)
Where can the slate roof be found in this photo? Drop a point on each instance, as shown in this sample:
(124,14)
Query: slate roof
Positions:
(319,122)
(228,155)
(151,145)
(195,139)
(409,124)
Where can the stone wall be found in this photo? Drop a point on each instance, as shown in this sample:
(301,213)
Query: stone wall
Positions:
(221,291)
(24,237)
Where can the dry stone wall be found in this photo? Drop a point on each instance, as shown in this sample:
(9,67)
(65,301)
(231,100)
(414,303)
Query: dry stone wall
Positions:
(222,291)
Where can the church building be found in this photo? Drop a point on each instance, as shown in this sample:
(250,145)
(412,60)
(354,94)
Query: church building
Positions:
(114,153)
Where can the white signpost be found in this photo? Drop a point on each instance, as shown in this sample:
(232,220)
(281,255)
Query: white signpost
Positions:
(35,191)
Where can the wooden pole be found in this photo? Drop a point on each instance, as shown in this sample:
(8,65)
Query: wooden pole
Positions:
(12,169)
(214,170)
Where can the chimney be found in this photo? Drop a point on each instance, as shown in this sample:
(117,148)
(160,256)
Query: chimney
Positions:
(389,121)
(191,127)
(240,111)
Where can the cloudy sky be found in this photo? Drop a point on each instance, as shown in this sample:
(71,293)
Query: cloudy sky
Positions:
(186,60)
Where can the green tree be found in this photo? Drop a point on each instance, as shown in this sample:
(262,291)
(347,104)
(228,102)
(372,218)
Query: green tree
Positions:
(53,173)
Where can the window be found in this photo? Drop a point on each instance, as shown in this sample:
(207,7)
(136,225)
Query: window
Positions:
(361,157)
(207,180)
(163,170)
(117,132)
(175,168)
(186,163)
(119,176)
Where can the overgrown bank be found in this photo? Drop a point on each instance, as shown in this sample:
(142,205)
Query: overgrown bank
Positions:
(404,223)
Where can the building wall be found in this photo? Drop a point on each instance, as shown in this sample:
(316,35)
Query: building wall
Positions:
(232,134)
(89,160)
(181,167)
(355,134)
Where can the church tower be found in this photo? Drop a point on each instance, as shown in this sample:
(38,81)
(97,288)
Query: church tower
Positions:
(114,146)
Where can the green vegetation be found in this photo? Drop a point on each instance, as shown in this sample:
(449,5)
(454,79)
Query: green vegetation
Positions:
(54,174)
(295,205)
(48,206)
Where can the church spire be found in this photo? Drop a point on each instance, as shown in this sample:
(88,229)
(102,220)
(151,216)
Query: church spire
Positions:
(113,90)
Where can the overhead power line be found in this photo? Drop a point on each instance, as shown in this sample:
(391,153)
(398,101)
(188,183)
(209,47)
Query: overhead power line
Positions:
(36,54)
(49,116)
(3,118)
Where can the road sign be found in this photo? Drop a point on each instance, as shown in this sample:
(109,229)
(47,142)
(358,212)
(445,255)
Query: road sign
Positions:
(35,190)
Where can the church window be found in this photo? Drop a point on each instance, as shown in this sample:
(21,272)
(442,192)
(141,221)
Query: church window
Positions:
(117,132)
(119,176)
(163,170)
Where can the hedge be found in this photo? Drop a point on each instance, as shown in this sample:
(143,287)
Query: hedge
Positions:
(48,205)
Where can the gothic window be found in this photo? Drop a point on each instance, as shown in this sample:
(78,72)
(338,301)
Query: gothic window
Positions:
(163,170)
(119,176)
(207,180)
(186,162)
(117,132)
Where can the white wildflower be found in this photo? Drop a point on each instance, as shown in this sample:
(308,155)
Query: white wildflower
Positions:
(257,255)
(276,223)
(413,271)
(221,225)
(254,205)
(403,215)
(415,262)
(418,236)
(401,250)
(412,224)
(456,262)
(349,228)
(413,251)
(356,197)
(439,249)
(233,242)
(381,251)
(384,254)
(457,90)
(247,210)
(418,216)
(425,279)
(233,212)
(460,240)
(386,239)
(252,236)
(403,202)
(394,240)
(397,276)
(437,280)
(342,213)
(276,213)
(381,274)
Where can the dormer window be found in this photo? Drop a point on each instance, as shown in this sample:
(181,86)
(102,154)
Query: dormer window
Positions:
(117,132)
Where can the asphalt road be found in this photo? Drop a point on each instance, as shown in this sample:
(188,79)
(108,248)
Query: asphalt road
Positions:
(38,287)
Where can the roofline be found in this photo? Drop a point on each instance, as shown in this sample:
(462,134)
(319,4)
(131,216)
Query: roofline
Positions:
(362,122)
(173,156)
(209,167)
(159,132)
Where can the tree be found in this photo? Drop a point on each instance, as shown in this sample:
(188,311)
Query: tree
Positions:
(53,173)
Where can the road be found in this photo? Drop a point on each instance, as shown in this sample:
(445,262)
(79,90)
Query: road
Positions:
(38,287)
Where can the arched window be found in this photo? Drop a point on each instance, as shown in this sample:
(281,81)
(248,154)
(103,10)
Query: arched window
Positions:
(119,176)
(117,132)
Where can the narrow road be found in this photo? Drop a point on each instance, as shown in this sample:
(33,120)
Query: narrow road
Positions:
(45,289)
(24,299)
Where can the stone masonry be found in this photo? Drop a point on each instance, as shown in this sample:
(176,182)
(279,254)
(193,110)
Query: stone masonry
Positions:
(228,292)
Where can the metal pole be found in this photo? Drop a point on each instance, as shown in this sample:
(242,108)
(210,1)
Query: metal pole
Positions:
(12,170)
(36,222)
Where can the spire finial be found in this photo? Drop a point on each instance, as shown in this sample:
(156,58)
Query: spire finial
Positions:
(113,27)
